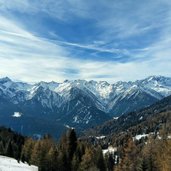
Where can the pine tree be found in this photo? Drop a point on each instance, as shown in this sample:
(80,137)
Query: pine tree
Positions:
(9,149)
(88,160)
(129,156)
(100,160)
(2,150)
(71,143)
(63,162)
(144,166)
(75,162)
(52,159)
(27,150)
(149,153)
(109,162)
(37,158)
(163,154)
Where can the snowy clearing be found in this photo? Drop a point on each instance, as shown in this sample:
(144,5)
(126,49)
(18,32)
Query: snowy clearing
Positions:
(10,164)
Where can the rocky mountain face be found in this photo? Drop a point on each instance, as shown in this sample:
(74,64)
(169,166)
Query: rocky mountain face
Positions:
(149,119)
(79,103)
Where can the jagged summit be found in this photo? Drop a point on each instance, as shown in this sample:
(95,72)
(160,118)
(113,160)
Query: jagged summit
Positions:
(5,79)
(79,103)
(109,96)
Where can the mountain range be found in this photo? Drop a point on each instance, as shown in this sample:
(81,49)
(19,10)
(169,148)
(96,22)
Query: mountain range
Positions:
(51,107)
(143,121)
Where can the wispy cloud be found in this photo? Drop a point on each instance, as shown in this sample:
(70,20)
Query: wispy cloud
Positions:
(136,35)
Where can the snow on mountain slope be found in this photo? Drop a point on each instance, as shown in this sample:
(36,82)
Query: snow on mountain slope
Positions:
(106,96)
(10,164)
(10,88)
(82,109)
(100,89)
(70,89)
(159,84)
(45,96)
(78,103)
(8,84)
(50,85)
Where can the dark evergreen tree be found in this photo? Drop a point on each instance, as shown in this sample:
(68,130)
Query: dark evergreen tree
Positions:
(27,150)
(109,162)
(100,160)
(63,162)
(52,159)
(71,143)
(9,149)
(88,160)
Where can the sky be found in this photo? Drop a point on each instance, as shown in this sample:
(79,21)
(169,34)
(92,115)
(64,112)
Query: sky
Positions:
(109,40)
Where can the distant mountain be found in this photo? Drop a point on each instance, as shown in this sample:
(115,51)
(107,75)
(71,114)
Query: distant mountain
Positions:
(143,121)
(50,106)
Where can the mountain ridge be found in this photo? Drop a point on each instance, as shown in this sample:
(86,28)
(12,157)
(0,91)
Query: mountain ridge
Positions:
(106,95)
(152,114)
(80,104)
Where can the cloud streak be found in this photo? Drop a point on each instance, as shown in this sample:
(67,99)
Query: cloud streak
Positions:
(138,44)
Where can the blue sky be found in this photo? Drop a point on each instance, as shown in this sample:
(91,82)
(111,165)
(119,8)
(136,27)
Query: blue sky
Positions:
(76,39)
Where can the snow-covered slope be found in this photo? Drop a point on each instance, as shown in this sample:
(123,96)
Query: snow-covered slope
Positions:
(105,96)
(10,164)
(159,84)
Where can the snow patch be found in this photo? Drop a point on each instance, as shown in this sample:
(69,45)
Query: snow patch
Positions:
(75,118)
(101,137)
(138,137)
(17,114)
(109,150)
(141,118)
(10,164)
(69,127)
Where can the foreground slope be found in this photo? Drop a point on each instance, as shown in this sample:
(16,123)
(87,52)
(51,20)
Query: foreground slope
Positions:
(10,164)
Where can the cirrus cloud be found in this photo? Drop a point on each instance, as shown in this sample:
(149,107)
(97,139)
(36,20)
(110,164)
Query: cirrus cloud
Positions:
(124,41)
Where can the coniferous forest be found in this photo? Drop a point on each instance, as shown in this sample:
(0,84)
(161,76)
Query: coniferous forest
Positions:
(74,154)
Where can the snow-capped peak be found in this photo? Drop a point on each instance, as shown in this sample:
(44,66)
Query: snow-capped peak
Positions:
(50,85)
(4,80)
(159,84)
(103,94)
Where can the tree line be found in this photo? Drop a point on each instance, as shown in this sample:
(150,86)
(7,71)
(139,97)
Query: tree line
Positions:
(70,153)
